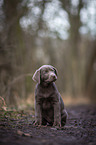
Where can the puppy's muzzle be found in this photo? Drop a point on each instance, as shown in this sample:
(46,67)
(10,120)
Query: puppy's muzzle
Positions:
(52,76)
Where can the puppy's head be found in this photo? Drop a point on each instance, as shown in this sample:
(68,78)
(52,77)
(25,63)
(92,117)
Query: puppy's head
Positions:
(45,74)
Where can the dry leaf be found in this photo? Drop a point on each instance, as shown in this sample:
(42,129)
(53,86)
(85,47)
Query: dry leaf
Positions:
(23,134)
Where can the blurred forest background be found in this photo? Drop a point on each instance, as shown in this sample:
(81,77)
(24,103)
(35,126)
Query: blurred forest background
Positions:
(57,32)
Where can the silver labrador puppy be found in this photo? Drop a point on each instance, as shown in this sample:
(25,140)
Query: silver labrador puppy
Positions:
(49,106)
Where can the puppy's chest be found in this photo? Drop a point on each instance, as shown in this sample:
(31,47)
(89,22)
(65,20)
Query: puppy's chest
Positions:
(45,93)
(46,103)
(45,98)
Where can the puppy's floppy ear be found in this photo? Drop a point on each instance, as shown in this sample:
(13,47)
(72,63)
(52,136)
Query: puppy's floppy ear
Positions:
(55,70)
(36,76)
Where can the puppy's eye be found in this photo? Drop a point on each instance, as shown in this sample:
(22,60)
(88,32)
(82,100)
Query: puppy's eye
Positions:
(45,71)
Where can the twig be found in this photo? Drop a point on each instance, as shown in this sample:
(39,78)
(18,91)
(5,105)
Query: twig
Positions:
(18,78)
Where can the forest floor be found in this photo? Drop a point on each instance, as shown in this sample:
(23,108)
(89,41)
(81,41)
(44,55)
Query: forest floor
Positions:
(16,128)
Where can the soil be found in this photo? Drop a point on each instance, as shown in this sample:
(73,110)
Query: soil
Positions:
(80,128)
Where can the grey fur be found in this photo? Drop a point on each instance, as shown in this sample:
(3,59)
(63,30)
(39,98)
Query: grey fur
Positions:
(49,106)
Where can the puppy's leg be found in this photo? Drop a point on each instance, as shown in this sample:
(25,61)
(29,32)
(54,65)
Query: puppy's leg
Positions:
(38,114)
(57,115)
(64,116)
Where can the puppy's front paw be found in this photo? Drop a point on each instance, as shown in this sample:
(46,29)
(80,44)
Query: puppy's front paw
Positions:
(57,124)
(37,123)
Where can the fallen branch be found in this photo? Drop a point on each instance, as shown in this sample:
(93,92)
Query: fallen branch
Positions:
(18,78)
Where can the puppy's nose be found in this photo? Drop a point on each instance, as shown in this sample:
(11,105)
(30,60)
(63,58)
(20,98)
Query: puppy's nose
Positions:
(54,76)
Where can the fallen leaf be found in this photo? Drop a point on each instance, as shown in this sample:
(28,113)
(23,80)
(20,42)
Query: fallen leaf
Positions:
(19,132)
(27,134)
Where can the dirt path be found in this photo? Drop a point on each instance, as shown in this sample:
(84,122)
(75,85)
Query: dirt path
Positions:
(80,129)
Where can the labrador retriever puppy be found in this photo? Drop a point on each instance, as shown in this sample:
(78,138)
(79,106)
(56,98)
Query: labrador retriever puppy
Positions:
(49,106)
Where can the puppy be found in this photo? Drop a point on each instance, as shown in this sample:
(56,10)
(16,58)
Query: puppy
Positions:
(49,106)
